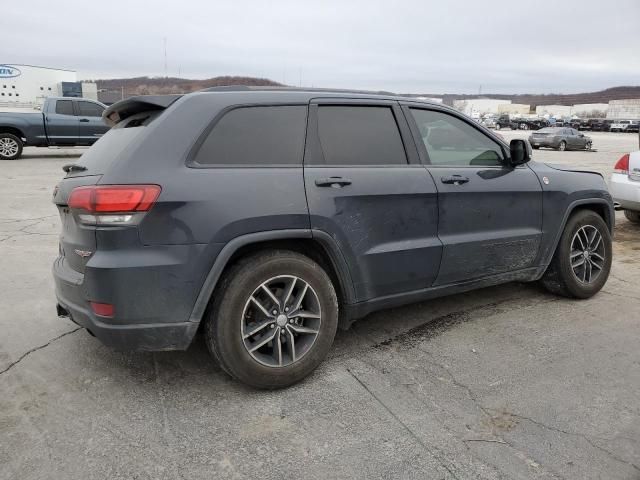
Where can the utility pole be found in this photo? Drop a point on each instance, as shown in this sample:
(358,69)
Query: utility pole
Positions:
(165,56)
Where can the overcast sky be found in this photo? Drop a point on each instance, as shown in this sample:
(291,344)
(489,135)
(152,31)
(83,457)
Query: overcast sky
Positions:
(405,46)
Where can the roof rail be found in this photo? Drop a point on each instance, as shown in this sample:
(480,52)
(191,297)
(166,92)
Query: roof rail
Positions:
(240,88)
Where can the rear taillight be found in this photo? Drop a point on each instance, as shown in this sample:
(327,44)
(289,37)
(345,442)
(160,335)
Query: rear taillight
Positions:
(102,309)
(622,165)
(112,204)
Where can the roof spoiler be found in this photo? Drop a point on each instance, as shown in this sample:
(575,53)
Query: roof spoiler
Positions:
(132,105)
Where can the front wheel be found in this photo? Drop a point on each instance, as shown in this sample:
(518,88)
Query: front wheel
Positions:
(632,216)
(588,146)
(10,146)
(581,263)
(273,319)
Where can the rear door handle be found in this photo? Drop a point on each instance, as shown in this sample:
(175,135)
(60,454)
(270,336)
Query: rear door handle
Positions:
(335,182)
(454,180)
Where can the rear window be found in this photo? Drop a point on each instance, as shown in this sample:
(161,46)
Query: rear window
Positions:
(121,137)
(64,107)
(270,135)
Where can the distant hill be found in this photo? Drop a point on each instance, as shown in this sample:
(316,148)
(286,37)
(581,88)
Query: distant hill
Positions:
(118,87)
(165,85)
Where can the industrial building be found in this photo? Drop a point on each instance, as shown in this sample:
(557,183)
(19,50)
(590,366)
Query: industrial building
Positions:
(556,111)
(624,109)
(28,85)
(590,109)
(475,107)
(514,108)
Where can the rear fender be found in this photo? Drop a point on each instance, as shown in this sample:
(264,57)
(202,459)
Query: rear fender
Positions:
(234,245)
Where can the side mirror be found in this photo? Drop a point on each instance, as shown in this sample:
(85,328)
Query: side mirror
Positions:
(520,152)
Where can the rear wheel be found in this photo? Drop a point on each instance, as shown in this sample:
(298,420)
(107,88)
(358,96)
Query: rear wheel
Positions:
(562,146)
(582,260)
(632,216)
(273,319)
(10,146)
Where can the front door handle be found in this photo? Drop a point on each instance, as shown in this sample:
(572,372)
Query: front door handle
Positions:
(454,180)
(335,182)
(84,119)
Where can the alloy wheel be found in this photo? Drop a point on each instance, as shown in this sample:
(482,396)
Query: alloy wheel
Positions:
(8,147)
(281,321)
(588,254)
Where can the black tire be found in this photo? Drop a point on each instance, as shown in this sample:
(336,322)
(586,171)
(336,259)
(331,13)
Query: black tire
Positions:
(10,146)
(497,126)
(588,146)
(226,320)
(536,147)
(632,216)
(562,146)
(560,277)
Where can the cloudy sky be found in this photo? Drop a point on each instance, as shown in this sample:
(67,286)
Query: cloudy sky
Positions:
(409,46)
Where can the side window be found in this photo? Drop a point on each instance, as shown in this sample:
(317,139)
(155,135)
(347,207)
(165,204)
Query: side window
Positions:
(64,107)
(271,135)
(451,141)
(89,109)
(360,135)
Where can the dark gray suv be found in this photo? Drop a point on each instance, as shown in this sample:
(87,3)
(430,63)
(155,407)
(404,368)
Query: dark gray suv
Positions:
(270,218)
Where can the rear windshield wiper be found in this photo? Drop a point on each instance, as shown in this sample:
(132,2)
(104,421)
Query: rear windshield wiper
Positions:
(72,167)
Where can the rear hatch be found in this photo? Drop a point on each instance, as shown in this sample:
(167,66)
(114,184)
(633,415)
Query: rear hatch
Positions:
(130,117)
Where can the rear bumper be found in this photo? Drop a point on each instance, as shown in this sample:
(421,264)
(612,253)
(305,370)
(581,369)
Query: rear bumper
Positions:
(543,142)
(146,330)
(625,192)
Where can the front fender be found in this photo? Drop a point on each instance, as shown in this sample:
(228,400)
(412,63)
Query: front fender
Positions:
(563,192)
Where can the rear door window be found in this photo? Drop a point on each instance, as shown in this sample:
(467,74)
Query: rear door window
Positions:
(89,109)
(359,135)
(64,107)
(269,135)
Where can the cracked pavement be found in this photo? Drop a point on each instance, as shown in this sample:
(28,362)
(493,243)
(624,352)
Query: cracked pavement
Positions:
(507,382)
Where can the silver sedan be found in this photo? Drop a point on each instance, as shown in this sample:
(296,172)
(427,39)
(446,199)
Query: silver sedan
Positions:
(560,138)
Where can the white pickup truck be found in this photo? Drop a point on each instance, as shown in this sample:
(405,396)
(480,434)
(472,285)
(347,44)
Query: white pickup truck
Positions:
(625,185)
(624,126)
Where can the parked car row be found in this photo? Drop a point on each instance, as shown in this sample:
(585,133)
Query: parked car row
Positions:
(516,123)
(581,124)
